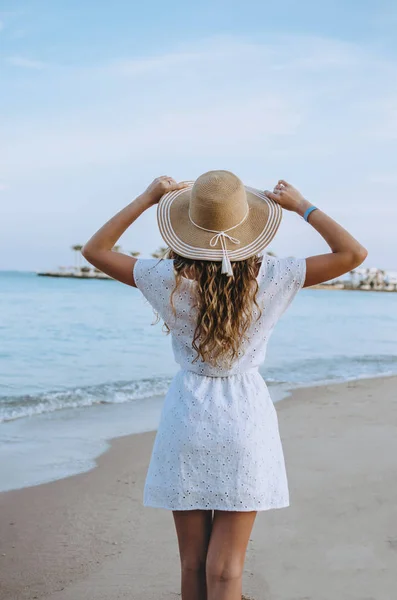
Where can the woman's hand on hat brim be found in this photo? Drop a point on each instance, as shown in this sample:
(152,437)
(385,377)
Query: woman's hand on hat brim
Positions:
(162,185)
(287,196)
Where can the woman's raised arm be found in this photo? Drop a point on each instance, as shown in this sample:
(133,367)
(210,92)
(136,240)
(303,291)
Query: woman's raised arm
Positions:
(98,250)
(347,253)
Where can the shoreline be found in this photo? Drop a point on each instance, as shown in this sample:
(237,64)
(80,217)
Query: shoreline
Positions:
(89,536)
(321,286)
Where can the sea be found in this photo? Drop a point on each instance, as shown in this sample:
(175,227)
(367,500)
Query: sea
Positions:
(82,361)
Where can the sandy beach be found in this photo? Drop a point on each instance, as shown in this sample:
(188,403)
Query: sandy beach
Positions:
(89,537)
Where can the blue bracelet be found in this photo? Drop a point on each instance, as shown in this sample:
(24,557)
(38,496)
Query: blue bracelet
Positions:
(308,212)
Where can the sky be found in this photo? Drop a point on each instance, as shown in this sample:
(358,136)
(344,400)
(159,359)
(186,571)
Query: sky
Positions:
(99,98)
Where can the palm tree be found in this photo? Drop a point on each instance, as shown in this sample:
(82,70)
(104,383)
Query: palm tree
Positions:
(116,248)
(77,248)
(135,253)
(270,253)
(159,253)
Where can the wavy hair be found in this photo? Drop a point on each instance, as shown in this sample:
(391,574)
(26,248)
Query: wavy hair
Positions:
(226,306)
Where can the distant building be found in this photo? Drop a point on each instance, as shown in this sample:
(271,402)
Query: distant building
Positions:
(373,279)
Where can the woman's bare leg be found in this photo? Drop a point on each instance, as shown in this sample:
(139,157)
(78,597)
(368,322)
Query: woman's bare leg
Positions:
(226,553)
(193,529)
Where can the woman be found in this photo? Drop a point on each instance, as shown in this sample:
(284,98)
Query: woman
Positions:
(217,457)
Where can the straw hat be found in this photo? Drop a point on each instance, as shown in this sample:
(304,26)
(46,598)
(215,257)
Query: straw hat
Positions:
(218,218)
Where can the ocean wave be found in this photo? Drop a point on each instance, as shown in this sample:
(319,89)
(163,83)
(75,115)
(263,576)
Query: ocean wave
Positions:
(17,407)
(335,368)
(297,373)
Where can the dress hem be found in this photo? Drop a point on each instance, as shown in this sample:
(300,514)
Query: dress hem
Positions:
(216,507)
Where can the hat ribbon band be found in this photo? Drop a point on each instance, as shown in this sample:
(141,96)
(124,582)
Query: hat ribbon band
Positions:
(221,236)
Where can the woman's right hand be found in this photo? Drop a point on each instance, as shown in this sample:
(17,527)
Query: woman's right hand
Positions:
(288,197)
(347,253)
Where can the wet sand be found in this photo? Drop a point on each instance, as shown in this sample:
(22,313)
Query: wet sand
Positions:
(89,537)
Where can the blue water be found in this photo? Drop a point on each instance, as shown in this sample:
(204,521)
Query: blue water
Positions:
(80,362)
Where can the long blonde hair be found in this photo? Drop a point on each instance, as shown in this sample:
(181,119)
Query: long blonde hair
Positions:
(225,305)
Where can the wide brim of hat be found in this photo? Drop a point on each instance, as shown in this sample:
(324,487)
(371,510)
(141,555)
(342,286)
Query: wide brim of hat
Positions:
(187,240)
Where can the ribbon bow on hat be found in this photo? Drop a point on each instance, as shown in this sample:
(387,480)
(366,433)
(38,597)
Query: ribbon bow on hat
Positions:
(227,268)
(221,236)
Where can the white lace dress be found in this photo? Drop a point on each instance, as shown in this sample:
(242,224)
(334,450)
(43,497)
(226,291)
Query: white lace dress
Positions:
(218,445)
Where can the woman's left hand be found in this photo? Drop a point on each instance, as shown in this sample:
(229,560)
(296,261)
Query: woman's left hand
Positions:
(162,185)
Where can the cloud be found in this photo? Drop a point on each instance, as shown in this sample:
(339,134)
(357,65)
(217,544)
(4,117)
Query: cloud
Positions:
(3,186)
(287,98)
(317,112)
(25,63)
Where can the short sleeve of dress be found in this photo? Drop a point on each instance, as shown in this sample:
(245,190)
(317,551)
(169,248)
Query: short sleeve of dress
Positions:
(155,278)
(281,279)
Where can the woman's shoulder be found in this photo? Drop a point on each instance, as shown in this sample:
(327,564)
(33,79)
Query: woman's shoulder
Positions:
(154,278)
(274,268)
(280,280)
(153,264)
(152,270)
